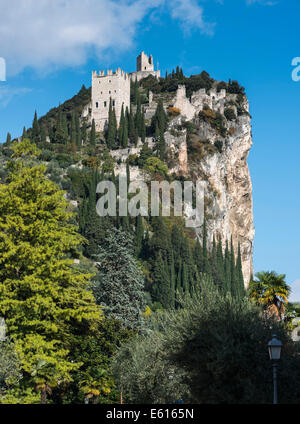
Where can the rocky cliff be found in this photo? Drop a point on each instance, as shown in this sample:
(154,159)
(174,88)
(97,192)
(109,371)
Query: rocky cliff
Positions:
(210,139)
(218,156)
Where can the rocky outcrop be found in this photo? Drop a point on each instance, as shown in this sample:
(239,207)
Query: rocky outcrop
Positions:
(224,170)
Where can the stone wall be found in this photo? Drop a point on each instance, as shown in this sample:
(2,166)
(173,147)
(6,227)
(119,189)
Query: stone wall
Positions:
(114,86)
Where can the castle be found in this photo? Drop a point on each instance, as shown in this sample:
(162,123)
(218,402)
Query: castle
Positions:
(114,87)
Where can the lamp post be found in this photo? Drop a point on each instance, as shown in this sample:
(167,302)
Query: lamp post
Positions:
(274,347)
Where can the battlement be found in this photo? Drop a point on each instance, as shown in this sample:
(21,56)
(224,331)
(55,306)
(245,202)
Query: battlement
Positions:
(109,73)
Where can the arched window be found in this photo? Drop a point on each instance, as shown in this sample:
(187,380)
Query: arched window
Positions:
(97,105)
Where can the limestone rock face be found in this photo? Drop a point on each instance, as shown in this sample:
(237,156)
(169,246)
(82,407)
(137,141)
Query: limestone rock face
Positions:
(223,171)
(232,208)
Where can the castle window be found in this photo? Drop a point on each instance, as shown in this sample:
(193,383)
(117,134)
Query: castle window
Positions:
(113,103)
(145,68)
(105,104)
(109,80)
(109,92)
(97,104)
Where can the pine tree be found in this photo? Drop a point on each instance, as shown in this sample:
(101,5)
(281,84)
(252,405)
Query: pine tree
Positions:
(24,133)
(120,283)
(45,300)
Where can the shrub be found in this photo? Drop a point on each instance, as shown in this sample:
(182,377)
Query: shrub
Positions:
(173,111)
(154,165)
(230,114)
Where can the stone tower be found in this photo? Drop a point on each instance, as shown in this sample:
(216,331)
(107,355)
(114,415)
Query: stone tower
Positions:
(144,68)
(112,86)
(144,63)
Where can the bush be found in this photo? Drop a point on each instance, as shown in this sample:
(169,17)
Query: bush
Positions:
(218,347)
(173,111)
(154,165)
(230,114)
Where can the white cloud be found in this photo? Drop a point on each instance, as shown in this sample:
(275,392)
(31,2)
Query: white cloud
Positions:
(50,34)
(190,14)
(7,93)
(295,295)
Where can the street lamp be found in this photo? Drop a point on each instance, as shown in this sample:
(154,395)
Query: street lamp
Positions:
(274,347)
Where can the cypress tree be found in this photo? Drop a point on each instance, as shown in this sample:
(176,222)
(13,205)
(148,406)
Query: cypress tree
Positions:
(93,134)
(206,265)
(139,235)
(73,130)
(35,129)
(161,291)
(78,131)
(143,128)
(111,128)
(131,129)
(227,269)
(198,256)
(24,133)
(125,133)
(220,264)
(43,134)
(121,127)
(84,132)
(239,273)
(8,138)
(234,280)
(128,173)
(138,118)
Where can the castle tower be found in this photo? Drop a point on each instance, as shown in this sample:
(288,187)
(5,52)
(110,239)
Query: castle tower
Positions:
(144,68)
(144,63)
(112,86)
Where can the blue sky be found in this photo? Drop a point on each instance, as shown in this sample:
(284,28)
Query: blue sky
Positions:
(51,47)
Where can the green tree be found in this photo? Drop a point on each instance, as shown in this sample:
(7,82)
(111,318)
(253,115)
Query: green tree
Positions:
(10,372)
(93,134)
(43,297)
(120,282)
(35,129)
(271,291)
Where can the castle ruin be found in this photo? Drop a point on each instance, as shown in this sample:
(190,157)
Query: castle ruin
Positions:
(113,87)
(144,68)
